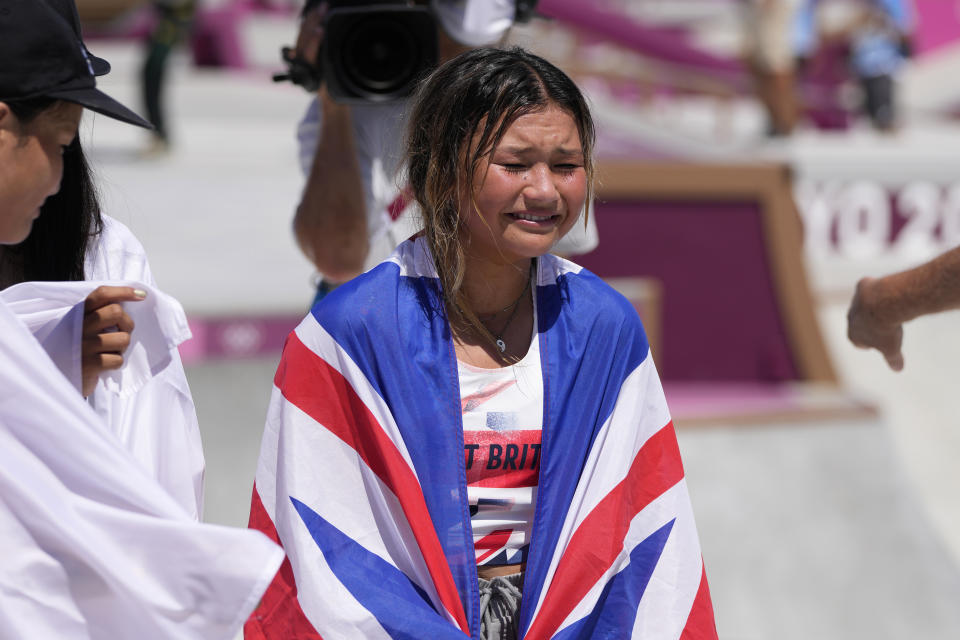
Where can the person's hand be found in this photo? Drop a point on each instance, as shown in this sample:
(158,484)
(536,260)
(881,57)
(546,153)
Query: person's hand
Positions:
(310,36)
(867,329)
(106,332)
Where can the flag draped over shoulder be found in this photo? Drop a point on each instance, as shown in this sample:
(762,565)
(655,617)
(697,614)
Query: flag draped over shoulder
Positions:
(93,548)
(361,475)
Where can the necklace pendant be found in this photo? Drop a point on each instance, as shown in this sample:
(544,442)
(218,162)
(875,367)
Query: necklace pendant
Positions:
(501,345)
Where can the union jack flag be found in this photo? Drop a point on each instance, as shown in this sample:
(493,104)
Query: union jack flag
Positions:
(362,477)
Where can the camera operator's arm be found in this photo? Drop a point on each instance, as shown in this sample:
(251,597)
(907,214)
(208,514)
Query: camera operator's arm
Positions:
(331,223)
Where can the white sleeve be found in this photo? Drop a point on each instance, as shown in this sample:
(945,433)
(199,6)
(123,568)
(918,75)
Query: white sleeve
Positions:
(158,425)
(146,404)
(154,418)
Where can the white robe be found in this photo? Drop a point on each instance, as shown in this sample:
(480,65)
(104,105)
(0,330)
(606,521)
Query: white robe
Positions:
(147,404)
(93,547)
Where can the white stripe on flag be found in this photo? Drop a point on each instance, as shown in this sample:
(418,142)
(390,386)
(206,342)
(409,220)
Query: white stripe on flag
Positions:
(345,492)
(673,587)
(673,574)
(552,267)
(325,602)
(321,343)
(266,478)
(639,413)
(414,259)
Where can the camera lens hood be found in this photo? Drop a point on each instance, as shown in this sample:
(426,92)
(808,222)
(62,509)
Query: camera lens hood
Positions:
(377,52)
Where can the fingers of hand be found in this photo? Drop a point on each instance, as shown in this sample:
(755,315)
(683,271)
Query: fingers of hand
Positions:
(106,317)
(102,296)
(895,361)
(97,363)
(891,349)
(106,332)
(865,331)
(89,384)
(106,344)
(311,33)
(101,352)
(887,340)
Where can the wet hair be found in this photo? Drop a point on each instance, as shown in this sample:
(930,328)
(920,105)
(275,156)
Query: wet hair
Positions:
(460,113)
(57,245)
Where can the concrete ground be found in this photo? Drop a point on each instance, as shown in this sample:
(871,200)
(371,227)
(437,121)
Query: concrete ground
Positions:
(830,530)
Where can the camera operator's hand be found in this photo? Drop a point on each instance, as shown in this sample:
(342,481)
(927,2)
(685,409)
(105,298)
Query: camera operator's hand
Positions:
(310,36)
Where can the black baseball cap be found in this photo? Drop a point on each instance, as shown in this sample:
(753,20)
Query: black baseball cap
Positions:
(68,11)
(43,56)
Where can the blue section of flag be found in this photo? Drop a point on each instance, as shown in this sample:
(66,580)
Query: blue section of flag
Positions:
(400,606)
(584,366)
(395,330)
(616,610)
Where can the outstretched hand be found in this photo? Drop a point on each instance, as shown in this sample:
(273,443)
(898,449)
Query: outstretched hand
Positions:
(867,330)
(106,332)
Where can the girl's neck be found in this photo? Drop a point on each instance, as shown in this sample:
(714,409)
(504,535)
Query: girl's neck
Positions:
(500,298)
(488,287)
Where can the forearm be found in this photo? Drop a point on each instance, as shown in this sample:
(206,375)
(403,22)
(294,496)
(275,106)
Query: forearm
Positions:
(880,306)
(330,223)
(930,288)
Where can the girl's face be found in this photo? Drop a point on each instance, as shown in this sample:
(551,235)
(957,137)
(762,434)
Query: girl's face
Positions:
(528,192)
(31,164)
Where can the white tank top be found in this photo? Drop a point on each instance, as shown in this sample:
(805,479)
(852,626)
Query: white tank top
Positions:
(502,420)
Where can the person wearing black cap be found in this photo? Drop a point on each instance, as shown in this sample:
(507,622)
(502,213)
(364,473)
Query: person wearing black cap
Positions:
(46,79)
(70,241)
(93,547)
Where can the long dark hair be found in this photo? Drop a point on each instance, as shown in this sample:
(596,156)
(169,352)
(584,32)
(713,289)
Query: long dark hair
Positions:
(57,245)
(460,114)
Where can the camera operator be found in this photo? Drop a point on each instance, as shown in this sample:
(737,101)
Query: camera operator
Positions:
(353,210)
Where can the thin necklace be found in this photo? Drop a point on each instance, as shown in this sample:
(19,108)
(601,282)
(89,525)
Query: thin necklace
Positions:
(516,305)
(499,336)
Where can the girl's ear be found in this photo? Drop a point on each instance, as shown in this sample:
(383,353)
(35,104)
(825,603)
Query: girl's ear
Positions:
(9,126)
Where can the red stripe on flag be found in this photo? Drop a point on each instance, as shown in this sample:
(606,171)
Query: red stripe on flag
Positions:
(599,539)
(324,394)
(700,623)
(493,542)
(278,616)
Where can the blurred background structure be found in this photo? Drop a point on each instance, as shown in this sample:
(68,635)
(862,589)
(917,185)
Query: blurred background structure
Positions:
(743,191)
